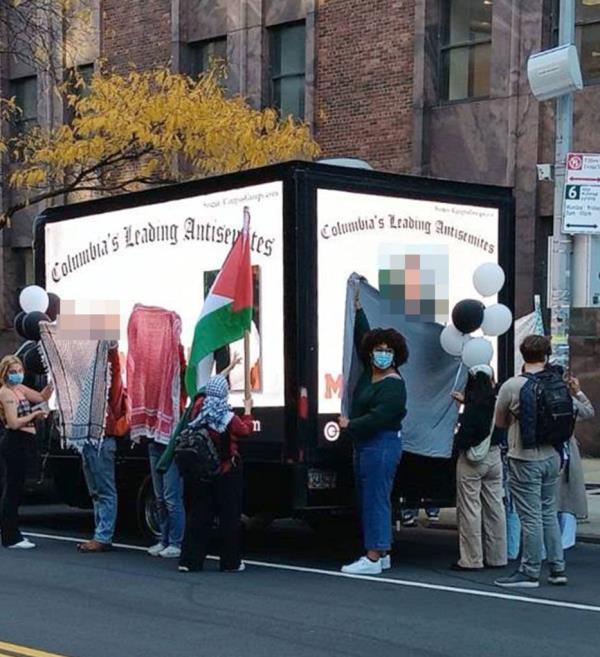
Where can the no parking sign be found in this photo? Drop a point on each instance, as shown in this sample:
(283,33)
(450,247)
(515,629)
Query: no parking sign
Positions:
(582,194)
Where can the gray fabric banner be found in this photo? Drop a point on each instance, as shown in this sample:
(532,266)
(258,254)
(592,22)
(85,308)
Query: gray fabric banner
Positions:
(430,374)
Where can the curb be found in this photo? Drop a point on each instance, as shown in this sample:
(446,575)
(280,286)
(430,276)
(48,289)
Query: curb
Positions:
(593,539)
(589,538)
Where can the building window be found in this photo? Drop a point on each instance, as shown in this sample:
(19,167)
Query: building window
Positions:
(466,47)
(202,53)
(85,73)
(587,37)
(24,91)
(288,69)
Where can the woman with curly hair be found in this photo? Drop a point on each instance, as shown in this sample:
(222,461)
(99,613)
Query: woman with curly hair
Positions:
(375,423)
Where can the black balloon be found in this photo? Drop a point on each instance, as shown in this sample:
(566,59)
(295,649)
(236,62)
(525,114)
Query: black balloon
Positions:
(467,315)
(31,324)
(32,362)
(53,309)
(18,323)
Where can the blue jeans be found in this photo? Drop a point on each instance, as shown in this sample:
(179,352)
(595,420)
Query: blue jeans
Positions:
(375,464)
(168,490)
(98,463)
(534,489)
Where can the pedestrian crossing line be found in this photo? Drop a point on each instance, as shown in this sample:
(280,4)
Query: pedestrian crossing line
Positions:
(407,583)
(14,650)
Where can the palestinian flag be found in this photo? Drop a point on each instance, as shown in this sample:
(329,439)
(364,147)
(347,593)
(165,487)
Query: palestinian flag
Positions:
(227,311)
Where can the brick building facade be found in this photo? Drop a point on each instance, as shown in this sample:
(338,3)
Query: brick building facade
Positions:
(430,87)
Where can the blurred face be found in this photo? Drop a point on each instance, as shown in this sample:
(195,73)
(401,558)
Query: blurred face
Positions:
(89,320)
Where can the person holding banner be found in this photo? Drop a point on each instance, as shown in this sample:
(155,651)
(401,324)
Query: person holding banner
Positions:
(375,424)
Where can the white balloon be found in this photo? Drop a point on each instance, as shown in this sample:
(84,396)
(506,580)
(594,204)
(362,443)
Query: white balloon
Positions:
(477,351)
(33,298)
(452,340)
(488,279)
(497,319)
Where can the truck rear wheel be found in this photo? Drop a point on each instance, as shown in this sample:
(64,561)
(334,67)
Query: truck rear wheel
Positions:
(147,511)
(333,525)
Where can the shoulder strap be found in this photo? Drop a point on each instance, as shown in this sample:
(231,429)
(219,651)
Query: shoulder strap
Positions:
(529,376)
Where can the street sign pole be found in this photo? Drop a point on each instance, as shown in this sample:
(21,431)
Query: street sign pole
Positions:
(560,274)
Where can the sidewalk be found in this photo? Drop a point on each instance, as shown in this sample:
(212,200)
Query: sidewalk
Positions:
(587,530)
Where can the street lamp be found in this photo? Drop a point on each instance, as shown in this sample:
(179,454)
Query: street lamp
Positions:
(564,74)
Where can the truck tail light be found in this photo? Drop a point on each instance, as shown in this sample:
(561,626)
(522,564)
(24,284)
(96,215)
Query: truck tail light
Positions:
(303,403)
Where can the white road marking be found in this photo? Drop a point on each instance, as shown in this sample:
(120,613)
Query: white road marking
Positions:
(563,604)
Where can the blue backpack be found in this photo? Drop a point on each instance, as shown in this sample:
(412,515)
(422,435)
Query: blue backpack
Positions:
(546,410)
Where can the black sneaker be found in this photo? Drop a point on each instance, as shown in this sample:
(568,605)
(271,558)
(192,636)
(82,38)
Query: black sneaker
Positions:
(518,580)
(558,578)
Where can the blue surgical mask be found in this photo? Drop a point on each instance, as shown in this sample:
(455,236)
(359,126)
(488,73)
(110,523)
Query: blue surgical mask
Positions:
(383,359)
(15,378)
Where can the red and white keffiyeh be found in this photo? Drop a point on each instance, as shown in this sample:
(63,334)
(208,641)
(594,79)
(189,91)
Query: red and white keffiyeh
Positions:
(154,372)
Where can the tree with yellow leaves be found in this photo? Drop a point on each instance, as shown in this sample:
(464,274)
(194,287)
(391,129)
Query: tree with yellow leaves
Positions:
(147,128)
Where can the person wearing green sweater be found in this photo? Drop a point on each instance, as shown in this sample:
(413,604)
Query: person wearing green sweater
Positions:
(375,423)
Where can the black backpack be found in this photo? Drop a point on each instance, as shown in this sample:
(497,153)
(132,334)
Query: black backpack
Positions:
(196,455)
(546,410)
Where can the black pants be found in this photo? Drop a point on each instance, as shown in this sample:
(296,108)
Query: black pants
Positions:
(223,496)
(13,451)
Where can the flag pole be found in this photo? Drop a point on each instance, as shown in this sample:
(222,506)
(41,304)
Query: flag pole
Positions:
(247,395)
(247,391)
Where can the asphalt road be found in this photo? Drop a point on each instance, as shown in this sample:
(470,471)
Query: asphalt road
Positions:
(295,603)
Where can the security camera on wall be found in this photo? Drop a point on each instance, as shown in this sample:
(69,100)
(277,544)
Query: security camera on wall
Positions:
(545,172)
(554,73)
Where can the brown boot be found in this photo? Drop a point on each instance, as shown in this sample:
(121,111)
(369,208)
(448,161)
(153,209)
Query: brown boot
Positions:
(94,546)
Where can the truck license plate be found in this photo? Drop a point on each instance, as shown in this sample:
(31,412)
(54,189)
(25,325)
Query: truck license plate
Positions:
(321,479)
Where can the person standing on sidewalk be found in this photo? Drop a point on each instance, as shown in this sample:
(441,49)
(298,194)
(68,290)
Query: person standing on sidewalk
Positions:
(480,511)
(375,424)
(572,499)
(98,462)
(534,473)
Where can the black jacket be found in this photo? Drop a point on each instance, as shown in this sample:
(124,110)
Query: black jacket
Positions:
(475,424)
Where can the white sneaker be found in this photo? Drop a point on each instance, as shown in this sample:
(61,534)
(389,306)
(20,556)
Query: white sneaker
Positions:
(386,562)
(25,544)
(364,566)
(183,569)
(170,553)
(155,550)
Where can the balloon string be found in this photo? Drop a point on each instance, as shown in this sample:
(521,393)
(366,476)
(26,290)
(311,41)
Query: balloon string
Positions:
(451,400)
(460,366)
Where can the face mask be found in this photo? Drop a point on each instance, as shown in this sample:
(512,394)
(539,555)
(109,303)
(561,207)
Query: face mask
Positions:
(15,378)
(382,359)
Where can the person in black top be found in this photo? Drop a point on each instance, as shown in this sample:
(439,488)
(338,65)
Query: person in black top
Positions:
(480,510)
(18,414)
(378,408)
